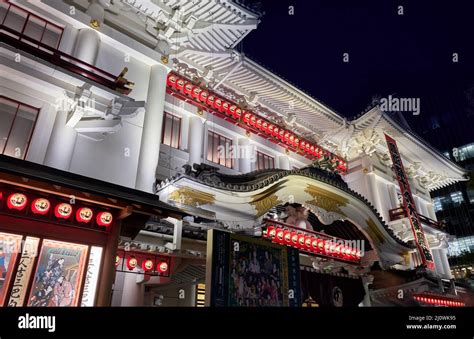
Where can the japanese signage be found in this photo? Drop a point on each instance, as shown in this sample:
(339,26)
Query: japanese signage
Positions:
(409,204)
(92,276)
(22,278)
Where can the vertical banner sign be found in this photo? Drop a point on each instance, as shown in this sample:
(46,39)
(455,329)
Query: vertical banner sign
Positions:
(409,204)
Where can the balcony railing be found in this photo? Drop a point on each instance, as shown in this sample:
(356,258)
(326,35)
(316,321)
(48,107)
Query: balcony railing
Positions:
(312,242)
(28,32)
(400,213)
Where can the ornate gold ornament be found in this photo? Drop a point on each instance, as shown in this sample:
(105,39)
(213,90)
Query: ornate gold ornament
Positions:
(164,59)
(326,200)
(95,24)
(191,197)
(263,204)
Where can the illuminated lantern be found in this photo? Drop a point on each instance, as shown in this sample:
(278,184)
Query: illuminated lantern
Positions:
(272,233)
(321,245)
(279,235)
(308,147)
(104,219)
(259,124)
(292,140)
(218,104)
(84,215)
(294,239)
(17,201)
(337,250)
(296,143)
(63,211)
(307,242)
(247,117)
(40,206)
(147,265)
(286,137)
(276,131)
(287,238)
(266,232)
(311,149)
(225,107)
(231,110)
(162,267)
(281,135)
(117,260)
(210,100)
(270,129)
(265,126)
(301,241)
(302,144)
(237,113)
(314,245)
(188,88)
(180,84)
(132,262)
(196,92)
(171,81)
(253,120)
(203,97)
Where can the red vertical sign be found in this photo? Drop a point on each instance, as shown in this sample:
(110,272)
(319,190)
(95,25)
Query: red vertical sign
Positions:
(409,204)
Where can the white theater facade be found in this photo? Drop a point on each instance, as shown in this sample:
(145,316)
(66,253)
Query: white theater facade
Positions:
(152,96)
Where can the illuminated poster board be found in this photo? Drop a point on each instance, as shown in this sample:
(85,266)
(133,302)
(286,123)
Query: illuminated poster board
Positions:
(10,245)
(59,273)
(409,204)
(243,271)
(92,276)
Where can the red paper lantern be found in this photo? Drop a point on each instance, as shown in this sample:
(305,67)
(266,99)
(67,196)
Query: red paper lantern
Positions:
(307,242)
(203,97)
(301,241)
(281,135)
(162,267)
(132,262)
(276,131)
(218,104)
(225,107)
(210,100)
(180,85)
(104,219)
(17,201)
(196,92)
(237,113)
(314,245)
(171,81)
(40,206)
(247,117)
(286,137)
(253,120)
(147,265)
(188,88)
(265,127)
(270,129)
(302,144)
(279,236)
(287,238)
(231,110)
(272,233)
(63,211)
(296,142)
(292,140)
(266,232)
(294,239)
(84,215)
(117,260)
(321,246)
(259,124)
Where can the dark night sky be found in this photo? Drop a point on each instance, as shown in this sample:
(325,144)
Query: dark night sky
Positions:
(409,55)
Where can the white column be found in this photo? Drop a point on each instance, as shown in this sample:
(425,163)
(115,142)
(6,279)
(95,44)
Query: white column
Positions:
(196,139)
(374,193)
(152,127)
(61,144)
(245,155)
(284,162)
(133,293)
(185,131)
(177,234)
(87,45)
(392,190)
(438,262)
(443,253)
(431,212)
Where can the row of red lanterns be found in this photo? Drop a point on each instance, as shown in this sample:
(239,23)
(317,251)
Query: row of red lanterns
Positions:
(42,206)
(232,110)
(311,243)
(438,301)
(148,265)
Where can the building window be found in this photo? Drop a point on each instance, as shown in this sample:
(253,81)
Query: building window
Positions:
(171,130)
(437,204)
(17,123)
(219,150)
(265,161)
(457,198)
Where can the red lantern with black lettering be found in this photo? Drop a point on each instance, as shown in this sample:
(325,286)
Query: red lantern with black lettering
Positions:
(237,113)
(40,206)
(301,241)
(196,92)
(132,262)
(275,132)
(203,97)
(147,265)
(84,215)
(188,88)
(231,110)
(63,211)
(225,107)
(218,104)
(210,100)
(104,219)
(180,85)
(253,120)
(266,233)
(162,267)
(247,117)
(171,81)
(314,245)
(287,237)
(279,236)
(259,124)
(17,201)
(307,242)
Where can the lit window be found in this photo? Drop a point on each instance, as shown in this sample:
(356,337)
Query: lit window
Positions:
(219,150)
(171,130)
(17,122)
(265,161)
(456,198)
(437,205)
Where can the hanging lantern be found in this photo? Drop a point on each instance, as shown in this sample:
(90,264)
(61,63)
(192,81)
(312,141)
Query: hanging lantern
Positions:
(259,124)
(314,245)
(279,235)
(292,140)
(307,242)
(270,129)
(276,131)
(271,233)
(296,142)
(104,219)
(225,107)
(40,206)
(301,241)
(117,260)
(266,232)
(132,262)
(253,120)
(188,88)
(265,127)
(162,267)
(171,81)
(196,92)
(203,97)
(287,238)
(84,215)
(147,265)
(17,201)
(302,144)
(294,239)
(63,211)
(247,117)
(218,104)
(286,137)
(281,135)
(231,111)
(238,113)
(210,100)
(180,85)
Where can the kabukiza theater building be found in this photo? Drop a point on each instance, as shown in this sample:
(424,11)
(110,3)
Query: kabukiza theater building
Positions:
(146,162)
